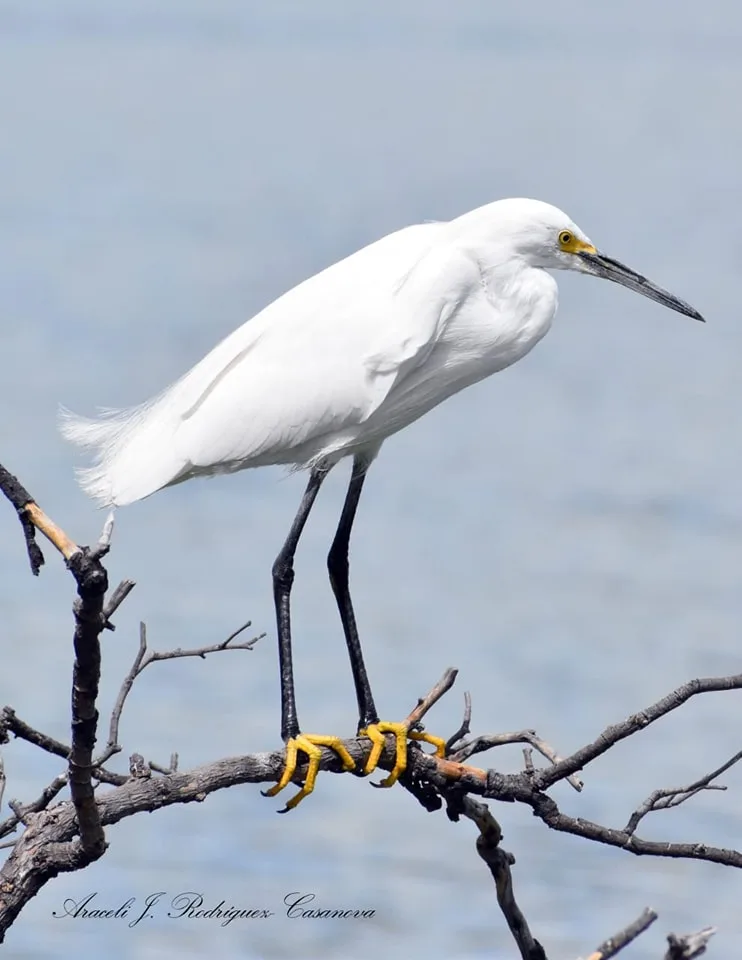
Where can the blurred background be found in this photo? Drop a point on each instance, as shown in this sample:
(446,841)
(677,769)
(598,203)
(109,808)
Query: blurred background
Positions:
(568,534)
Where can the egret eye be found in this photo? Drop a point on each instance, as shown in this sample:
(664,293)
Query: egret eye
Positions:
(565,238)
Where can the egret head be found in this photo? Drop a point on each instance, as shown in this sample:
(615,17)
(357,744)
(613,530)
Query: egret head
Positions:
(546,237)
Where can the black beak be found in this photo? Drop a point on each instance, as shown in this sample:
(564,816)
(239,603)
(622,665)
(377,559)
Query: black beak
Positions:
(606,268)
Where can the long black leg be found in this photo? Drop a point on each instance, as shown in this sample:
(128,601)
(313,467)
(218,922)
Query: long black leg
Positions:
(337,564)
(283,579)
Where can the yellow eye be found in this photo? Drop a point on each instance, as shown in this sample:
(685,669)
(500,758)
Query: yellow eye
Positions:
(565,238)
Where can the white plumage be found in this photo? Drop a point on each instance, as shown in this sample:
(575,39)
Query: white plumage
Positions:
(332,368)
(353,354)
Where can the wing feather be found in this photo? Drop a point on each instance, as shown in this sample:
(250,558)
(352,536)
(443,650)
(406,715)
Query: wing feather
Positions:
(299,378)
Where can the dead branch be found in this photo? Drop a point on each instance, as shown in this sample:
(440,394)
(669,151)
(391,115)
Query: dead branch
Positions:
(143,659)
(425,703)
(68,835)
(465,728)
(10,723)
(674,796)
(616,943)
(636,722)
(41,853)
(487,742)
(499,862)
(689,945)
(21,499)
(91,579)
(115,600)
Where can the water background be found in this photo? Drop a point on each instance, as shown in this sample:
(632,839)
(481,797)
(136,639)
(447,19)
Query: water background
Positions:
(569,534)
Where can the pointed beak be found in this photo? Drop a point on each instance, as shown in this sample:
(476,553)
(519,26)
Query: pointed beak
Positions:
(599,265)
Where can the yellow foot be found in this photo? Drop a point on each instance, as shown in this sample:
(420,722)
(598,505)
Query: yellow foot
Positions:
(310,744)
(375,733)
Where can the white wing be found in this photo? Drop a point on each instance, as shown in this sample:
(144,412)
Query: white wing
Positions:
(293,382)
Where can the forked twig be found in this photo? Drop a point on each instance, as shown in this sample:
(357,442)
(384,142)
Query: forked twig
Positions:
(144,657)
(488,741)
(673,796)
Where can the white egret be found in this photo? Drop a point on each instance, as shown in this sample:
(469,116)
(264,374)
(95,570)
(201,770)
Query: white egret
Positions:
(335,366)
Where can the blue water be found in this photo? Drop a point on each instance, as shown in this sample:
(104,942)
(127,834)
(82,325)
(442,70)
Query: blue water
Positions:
(569,534)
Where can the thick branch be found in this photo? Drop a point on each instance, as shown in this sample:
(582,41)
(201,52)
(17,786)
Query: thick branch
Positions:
(499,862)
(46,847)
(92,583)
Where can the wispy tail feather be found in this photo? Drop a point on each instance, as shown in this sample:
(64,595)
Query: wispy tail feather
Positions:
(133,452)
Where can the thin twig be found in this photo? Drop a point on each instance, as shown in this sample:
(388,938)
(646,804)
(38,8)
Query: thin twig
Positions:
(488,741)
(104,540)
(115,599)
(19,728)
(113,728)
(465,728)
(13,724)
(142,660)
(638,721)
(154,655)
(21,812)
(616,943)
(425,703)
(166,771)
(674,796)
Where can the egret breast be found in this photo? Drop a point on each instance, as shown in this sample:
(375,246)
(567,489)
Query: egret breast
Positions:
(491,331)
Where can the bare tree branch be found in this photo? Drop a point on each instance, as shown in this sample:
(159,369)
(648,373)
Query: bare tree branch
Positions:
(638,721)
(115,599)
(499,862)
(143,659)
(674,796)
(429,700)
(92,584)
(20,814)
(21,499)
(689,945)
(10,723)
(69,835)
(465,728)
(487,742)
(616,943)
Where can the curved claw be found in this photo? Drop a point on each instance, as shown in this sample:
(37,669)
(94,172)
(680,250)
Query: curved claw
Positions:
(438,742)
(309,744)
(375,733)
